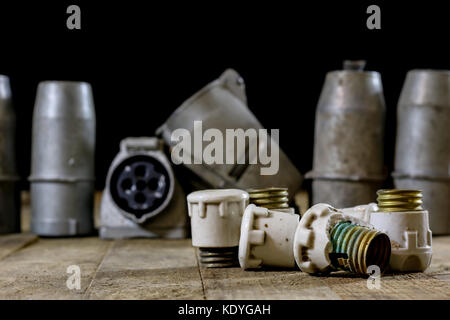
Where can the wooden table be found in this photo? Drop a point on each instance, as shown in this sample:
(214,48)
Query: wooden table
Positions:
(35,268)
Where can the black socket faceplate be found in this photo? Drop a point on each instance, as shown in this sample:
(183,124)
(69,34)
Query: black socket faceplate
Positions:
(139,185)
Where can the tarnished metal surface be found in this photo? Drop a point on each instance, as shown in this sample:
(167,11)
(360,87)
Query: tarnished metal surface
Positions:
(422,155)
(62,163)
(348,148)
(270,198)
(222,105)
(218,257)
(9,190)
(142,197)
(355,248)
(399,200)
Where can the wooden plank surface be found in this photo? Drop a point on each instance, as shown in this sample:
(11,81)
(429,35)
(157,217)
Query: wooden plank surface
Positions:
(148,269)
(168,269)
(39,270)
(34,268)
(13,242)
(235,283)
(440,263)
(408,286)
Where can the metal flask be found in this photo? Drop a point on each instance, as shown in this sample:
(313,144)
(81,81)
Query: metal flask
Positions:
(62,161)
(9,189)
(348,149)
(222,105)
(142,198)
(422,155)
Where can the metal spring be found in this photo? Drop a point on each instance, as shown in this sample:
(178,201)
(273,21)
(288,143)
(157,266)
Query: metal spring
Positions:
(270,198)
(218,257)
(398,200)
(355,248)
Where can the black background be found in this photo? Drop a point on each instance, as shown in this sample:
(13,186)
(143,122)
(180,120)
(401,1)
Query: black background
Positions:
(144,60)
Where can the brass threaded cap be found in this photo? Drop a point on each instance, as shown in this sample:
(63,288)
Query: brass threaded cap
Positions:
(399,200)
(270,198)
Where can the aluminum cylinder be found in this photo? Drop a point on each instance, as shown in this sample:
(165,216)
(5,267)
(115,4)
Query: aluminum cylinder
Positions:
(62,161)
(422,155)
(348,165)
(9,189)
(222,105)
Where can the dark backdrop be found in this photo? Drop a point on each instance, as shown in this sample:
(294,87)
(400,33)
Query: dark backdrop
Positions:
(144,60)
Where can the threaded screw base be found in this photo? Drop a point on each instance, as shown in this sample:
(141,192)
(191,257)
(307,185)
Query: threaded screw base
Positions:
(398,200)
(270,198)
(218,257)
(355,248)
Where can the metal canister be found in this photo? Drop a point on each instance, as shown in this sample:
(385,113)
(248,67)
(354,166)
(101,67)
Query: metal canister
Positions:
(422,155)
(9,189)
(62,163)
(348,165)
(220,106)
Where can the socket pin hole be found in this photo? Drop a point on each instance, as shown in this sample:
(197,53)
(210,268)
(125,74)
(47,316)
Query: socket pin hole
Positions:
(153,184)
(126,184)
(140,197)
(140,171)
(140,185)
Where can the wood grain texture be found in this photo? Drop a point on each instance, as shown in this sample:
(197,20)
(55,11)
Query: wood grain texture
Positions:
(235,283)
(39,271)
(392,287)
(34,268)
(11,243)
(440,263)
(148,269)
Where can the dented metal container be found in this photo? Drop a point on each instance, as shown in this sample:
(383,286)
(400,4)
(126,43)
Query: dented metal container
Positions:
(62,161)
(222,105)
(9,189)
(348,165)
(422,155)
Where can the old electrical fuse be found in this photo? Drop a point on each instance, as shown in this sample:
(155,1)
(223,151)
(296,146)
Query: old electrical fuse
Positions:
(142,198)
(267,238)
(348,147)
(422,154)
(9,190)
(215,221)
(328,240)
(62,161)
(400,215)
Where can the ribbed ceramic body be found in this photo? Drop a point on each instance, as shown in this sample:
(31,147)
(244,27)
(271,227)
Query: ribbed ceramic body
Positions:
(422,155)
(9,190)
(216,217)
(348,150)
(62,164)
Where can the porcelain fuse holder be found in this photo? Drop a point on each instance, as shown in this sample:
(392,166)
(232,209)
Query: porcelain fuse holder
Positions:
(408,229)
(328,240)
(267,238)
(216,216)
